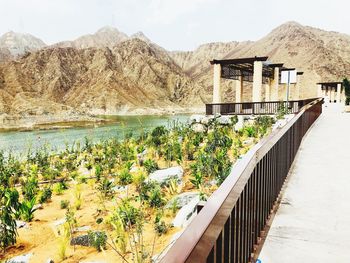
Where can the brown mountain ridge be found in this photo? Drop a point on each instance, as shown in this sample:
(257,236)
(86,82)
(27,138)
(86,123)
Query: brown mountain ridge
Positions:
(111,73)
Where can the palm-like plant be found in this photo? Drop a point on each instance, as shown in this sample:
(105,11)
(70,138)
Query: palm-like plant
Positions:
(27,209)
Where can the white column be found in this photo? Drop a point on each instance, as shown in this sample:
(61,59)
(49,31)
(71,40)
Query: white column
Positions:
(297,87)
(239,89)
(257,81)
(216,81)
(338,92)
(319,91)
(332,94)
(274,85)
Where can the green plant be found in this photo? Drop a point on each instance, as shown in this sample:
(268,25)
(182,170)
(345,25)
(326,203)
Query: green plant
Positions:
(197,177)
(127,213)
(64,204)
(27,209)
(45,195)
(8,205)
(105,187)
(58,188)
(125,177)
(156,198)
(30,188)
(150,165)
(281,111)
(250,131)
(346,85)
(77,196)
(98,240)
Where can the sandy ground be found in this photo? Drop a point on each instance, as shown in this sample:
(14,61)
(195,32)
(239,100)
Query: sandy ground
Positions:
(39,237)
(312,222)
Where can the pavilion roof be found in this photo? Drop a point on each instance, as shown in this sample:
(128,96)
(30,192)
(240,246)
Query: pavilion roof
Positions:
(233,68)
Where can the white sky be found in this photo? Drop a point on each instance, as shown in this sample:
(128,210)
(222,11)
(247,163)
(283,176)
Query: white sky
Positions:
(173,24)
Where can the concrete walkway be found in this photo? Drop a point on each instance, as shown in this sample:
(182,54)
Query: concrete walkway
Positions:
(312,223)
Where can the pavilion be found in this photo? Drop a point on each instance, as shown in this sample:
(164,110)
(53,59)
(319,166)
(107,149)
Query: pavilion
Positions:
(260,71)
(333,90)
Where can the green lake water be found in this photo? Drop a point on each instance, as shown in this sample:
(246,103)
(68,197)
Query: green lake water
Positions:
(19,142)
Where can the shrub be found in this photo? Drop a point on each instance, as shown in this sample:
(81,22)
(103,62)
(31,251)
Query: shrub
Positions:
(156,198)
(8,205)
(27,210)
(30,188)
(161,228)
(98,240)
(45,195)
(125,177)
(58,188)
(127,213)
(346,85)
(150,165)
(64,204)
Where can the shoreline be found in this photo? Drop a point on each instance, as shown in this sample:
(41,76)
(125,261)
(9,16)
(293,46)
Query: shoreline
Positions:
(56,122)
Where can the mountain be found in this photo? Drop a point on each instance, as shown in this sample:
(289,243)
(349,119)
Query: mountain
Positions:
(132,77)
(104,37)
(320,54)
(111,73)
(17,44)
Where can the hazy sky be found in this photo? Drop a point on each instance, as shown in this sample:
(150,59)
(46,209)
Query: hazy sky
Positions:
(173,24)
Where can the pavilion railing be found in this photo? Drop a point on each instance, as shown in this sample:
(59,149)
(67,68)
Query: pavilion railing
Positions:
(258,108)
(229,226)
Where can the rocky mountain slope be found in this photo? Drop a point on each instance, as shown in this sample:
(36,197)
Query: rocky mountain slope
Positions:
(111,73)
(14,44)
(131,77)
(322,55)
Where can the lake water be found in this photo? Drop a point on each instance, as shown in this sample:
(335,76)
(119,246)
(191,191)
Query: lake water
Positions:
(19,142)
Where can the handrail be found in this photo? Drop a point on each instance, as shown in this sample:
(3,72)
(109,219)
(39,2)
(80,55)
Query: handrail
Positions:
(238,200)
(249,108)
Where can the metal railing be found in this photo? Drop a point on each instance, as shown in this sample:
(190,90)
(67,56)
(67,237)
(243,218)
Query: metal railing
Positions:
(259,108)
(229,226)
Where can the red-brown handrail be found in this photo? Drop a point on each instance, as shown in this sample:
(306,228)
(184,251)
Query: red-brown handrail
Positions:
(230,223)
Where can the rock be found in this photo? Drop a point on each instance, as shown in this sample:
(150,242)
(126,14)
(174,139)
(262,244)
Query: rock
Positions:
(20,259)
(224,120)
(240,124)
(207,120)
(198,127)
(50,261)
(21,224)
(162,176)
(182,199)
(186,213)
(38,206)
(134,168)
(196,118)
(248,142)
(82,229)
(83,240)
(59,222)
(120,188)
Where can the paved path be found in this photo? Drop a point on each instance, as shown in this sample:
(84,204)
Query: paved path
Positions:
(312,223)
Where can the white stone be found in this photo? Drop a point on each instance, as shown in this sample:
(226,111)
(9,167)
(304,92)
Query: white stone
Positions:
(207,119)
(82,229)
(224,120)
(186,213)
(21,259)
(240,124)
(21,224)
(248,142)
(198,127)
(182,199)
(196,118)
(59,222)
(161,176)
